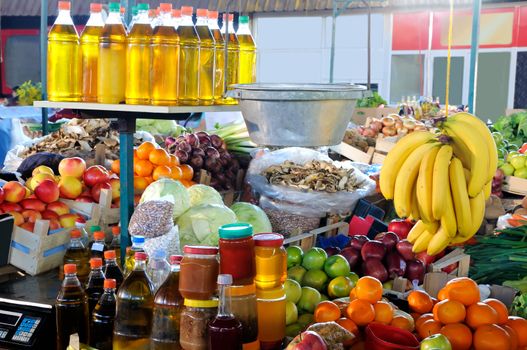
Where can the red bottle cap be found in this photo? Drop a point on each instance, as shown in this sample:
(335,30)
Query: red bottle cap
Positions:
(99,235)
(109,254)
(187,10)
(231,17)
(151,13)
(176,13)
(95,7)
(64,5)
(202,250)
(122,10)
(95,262)
(70,268)
(213,14)
(140,256)
(116,230)
(268,240)
(175,259)
(165,7)
(75,234)
(202,12)
(109,283)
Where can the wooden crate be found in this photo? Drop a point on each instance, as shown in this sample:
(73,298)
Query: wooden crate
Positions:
(353,153)
(307,240)
(515,185)
(435,278)
(382,147)
(360,114)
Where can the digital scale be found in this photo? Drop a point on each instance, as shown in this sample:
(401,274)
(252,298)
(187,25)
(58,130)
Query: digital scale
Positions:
(27,312)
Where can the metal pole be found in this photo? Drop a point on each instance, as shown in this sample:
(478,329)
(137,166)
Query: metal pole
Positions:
(128,4)
(476,10)
(333,31)
(369,45)
(44,60)
(126,140)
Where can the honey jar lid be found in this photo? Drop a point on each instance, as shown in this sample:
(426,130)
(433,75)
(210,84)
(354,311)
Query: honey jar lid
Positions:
(201,303)
(268,240)
(238,291)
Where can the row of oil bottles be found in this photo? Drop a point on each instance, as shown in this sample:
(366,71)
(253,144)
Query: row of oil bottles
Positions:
(164,58)
(211,298)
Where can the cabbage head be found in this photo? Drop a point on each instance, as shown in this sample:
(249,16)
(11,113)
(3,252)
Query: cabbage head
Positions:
(168,190)
(199,225)
(203,194)
(254,215)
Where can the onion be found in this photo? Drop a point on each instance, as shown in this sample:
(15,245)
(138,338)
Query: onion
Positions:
(221,178)
(169,141)
(198,152)
(184,146)
(388,121)
(216,141)
(192,140)
(212,165)
(398,124)
(235,165)
(389,131)
(212,152)
(230,175)
(420,128)
(181,138)
(182,156)
(376,125)
(196,162)
(203,138)
(369,133)
(409,124)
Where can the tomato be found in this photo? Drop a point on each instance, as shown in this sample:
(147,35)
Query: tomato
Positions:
(523,148)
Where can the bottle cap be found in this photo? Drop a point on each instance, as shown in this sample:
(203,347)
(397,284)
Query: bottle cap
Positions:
(122,10)
(95,7)
(95,228)
(213,14)
(109,254)
(176,13)
(151,13)
(95,262)
(201,250)
(235,231)
(140,256)
(109,283)
(75,234)
(202,12)
(268,240)
(64,5)
(244,19)
(116,230)
(175,259)
(143,7)
(225,279)
(114,7)
(138,239)
(99,235)
(231,17)
(70,268)
(201,303)
(187,10)
(165,7)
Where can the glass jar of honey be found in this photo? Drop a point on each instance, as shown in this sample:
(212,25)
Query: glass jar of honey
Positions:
(271,317)
(237,252)
(199,272)
(271,260)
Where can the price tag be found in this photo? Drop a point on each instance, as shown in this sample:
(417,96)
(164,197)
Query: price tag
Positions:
(98,247)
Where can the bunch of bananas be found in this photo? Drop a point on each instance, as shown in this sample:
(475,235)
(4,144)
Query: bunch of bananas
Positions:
(441,179)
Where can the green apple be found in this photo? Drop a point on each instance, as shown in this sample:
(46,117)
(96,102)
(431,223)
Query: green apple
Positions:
(316,279)
(291,313)
(500,162)
(511,155)
(507,169)
(436,342)
(305,320)
(518,162)
(340,287)
(296,273)
(337,265)
(353,277)
(521,173)
(314,259)
(293,290)
(293,330)
(309,299)
(294,256)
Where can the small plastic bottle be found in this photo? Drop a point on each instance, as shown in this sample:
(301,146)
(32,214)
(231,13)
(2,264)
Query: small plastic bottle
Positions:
(77,254)
(116,243)
(247,66)
(138,243)
(233,48)
(101,326)
(189,61)
(158,268)
(90,53)
(94,286)
(111,269)
(98,246)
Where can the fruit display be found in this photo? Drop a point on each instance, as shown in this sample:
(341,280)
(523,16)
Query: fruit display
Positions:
(515,163)
(442,180)
(512,131)
(354,138)
(391,125)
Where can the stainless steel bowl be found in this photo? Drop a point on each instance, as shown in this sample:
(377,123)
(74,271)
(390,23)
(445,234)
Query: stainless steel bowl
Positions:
(305,115)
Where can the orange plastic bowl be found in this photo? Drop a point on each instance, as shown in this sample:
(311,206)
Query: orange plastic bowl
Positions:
(382,337)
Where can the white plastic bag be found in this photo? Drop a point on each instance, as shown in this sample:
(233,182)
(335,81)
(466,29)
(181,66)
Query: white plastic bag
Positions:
(168,242)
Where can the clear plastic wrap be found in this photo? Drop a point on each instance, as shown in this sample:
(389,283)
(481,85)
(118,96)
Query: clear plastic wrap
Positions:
(168,242)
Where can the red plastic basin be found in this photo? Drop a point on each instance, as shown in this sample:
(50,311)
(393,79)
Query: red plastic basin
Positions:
(382,337)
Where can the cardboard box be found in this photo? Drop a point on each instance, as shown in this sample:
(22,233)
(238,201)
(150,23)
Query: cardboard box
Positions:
(515,185)
(435,278)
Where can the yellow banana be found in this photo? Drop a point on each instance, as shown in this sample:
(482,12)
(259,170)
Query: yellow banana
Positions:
(477,211)
(396,157)
(424,184)
(415,211)
(461,151)
(404,184)
(432,226)
(487,190)
(439,242)
(460,197)
(448,220)
(416,231)
(421,243)
(479,156)
(440,181)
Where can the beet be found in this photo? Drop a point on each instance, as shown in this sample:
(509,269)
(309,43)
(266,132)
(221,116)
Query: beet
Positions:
(358,241)
(396,264)
(373,249)
(375,268)
(352,255)
(389,239)
(404,248)
(415,270)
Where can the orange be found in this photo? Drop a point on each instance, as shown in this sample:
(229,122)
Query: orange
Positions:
(423,318)
(161,171)
(512,334)
(140,183)
(150,179)
(353,294)
(326,311)
(415,315)
(173,160)
(159,156)
(500,308)
(383,312)
(369,289)
(144,149)
(449,311)
(480,314)
(442,294)
(491,337)
(349,325)
(428,328)
(419,301)
(464,290)
(520,326)
(187,171)
(143,168)
(361,312)
(459,335)
(402,323)
(187,183)
(116,166)
(176,172)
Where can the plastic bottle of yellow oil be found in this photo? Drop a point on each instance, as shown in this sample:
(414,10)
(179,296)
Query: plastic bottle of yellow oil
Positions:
(247,66)
(189,59)
(233,50)
(206,58)
(176,17)
(139,59)
(111,79)
(90,52)
(165,59)
(64,58)
(219,56)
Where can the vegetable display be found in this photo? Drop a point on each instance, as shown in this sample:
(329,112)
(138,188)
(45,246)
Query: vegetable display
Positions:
(513,128)
(168,190)
(235,136)
(160,127)
(391,125)
(203,194)
(252,214)
(373,101)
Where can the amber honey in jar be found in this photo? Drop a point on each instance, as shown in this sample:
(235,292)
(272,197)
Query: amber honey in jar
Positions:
(271,260)
(195,317)
(271,317)
(237,252)
(199,272)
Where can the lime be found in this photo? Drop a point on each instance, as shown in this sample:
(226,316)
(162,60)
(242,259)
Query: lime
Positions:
(294,256)
(291,313)
(296,273)
(309,299)
(315,278)
(293,330)
(293,290)
(337,265)
(340,287)
(314,259)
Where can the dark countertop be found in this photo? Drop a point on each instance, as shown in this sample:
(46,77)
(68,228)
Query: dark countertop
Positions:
(40,289)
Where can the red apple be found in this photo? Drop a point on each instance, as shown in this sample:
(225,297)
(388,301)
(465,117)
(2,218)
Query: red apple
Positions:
(14,191)
(80,219)
(42,169)
(31,215)
(37,180)
(400,227)
(96,174)
(48,215)
(32,197)
(85,199)
(19,219)
(28,192)
(28,226)
(70,187)
(86,192)
(58,207)
(96,190)
(307,340)
(54,224)
(33,204)
(74,166)
(11,207)
(68,220)
(116,188)
(2,195)
(47,191)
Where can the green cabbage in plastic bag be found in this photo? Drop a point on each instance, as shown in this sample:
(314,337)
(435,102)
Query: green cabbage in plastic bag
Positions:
(203,194)
(254,215)
(168,190)
(199,225)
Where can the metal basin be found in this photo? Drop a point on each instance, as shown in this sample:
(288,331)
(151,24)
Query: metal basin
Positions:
(304,115)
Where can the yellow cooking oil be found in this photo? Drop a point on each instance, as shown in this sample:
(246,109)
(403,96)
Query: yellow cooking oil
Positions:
(219,57)
(206,58)
(64,59)
(247,65)
(189,60)
(139,59)
(233,51)
(90,52)
(165,59)
(111,78)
